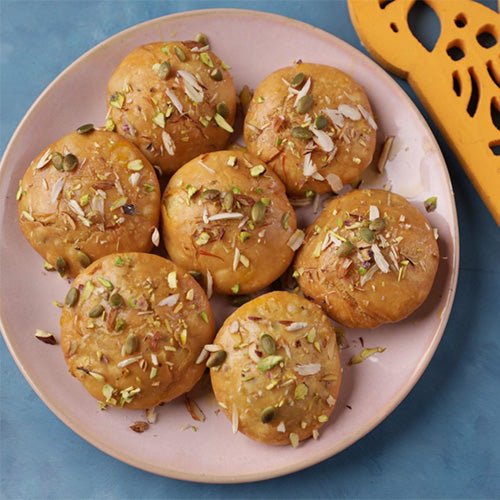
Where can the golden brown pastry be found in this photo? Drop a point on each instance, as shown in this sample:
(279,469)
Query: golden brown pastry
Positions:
(174,100)
(226,215)
(277,372)
(132,327)
(370,258)
(313,125)
(88,195)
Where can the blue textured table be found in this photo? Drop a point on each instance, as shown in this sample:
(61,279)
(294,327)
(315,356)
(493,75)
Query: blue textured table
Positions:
(442,441)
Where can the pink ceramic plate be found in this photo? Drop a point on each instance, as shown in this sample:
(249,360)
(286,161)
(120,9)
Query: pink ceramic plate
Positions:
(254,44)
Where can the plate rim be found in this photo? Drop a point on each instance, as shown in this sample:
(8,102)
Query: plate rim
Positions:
(419,368)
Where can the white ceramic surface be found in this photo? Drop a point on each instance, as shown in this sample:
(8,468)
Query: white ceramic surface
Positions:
(254,44)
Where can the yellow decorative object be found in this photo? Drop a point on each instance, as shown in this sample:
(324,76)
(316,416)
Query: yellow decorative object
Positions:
(458,81)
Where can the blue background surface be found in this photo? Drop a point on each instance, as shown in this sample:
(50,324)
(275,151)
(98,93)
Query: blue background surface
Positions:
(442,441)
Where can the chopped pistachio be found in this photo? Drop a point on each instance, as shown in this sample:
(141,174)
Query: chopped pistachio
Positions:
(269,362)
(222,123)
(430,204)
(149,188)
(311,335)
(118,203)
(301,391)
(323,418)
(204,316)
(227,201)
(244,235)
(135,165)
(364,354)
(84,200)
(96,375)
(284,221)
(87,290)
(191,191)
(119,261)
(120,325)
(235,288)
(294,439)
(202,239)
(206,59)
(117,100)
(183,337)
(106,283)
(159,119)
(48,267)
(107,392)
(109,125)
(19,192)
(204,121)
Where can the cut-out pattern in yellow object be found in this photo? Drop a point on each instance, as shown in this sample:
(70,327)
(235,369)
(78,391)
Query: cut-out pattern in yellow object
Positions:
(458,81)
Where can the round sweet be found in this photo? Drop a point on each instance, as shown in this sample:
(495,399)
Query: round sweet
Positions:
(313,125)
(132,327)
(173,100)
(226,215)
(280,377)
(88,195)
(370,258)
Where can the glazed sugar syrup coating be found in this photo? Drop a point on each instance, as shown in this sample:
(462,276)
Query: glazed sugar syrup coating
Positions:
(370,258)
(132,327)
(313,125)
(174,100)
(86,196)
(226,215)
(281,375)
